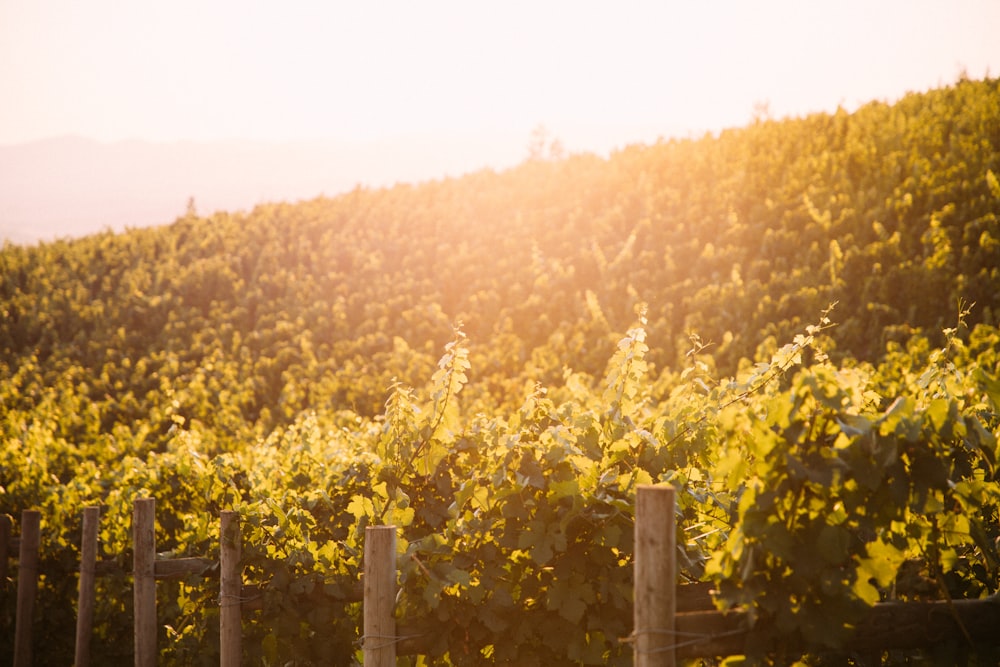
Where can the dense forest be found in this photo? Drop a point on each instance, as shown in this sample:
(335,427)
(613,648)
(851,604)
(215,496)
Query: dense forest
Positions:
(555,333)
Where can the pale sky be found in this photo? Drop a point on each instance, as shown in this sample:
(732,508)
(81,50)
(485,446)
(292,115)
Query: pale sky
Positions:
(595,74)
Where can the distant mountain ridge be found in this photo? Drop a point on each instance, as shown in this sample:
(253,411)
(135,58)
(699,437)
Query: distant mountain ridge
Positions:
(72,186)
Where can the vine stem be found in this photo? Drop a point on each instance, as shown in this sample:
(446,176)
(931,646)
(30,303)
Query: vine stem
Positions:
(439,418)
(771,375)
(736,399)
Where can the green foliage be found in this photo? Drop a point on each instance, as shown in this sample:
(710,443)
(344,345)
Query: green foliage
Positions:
(846,483)
(624,321)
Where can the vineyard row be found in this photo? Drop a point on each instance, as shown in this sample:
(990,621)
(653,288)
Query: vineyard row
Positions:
(670,621)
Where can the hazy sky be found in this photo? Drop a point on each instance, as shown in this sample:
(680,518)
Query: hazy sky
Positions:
(595,74)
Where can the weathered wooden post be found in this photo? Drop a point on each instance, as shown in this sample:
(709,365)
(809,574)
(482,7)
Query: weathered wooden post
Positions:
(230,590)
(5,531)
(27,585)
(380,596)
(144,581)
(655,577)
(85,598)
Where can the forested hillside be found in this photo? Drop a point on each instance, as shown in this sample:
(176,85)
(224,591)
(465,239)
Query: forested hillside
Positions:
(890,211)
(224,334)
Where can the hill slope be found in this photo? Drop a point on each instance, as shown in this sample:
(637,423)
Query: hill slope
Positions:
(264,362)
(891,211)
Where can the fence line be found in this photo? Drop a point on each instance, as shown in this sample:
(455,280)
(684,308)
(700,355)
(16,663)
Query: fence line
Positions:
(710,633)
(670,621)
(146,569)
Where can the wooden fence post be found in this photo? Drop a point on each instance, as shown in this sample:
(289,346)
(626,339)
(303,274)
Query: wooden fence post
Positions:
(5,531)
(27,585)
(655,577)
(380,596)
(85,599)
(230,590)
(144,581)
